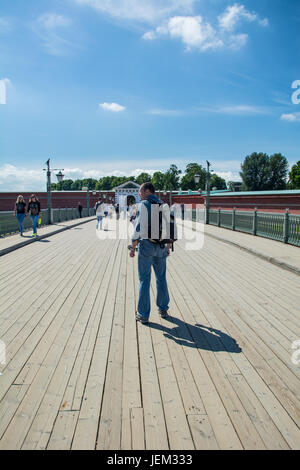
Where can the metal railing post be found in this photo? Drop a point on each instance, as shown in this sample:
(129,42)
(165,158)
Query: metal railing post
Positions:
(233,219)
(286,227)
(255,221)
(219,217)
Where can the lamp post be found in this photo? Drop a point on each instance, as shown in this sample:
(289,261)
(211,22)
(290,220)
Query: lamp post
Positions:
(207,205)
(60,177)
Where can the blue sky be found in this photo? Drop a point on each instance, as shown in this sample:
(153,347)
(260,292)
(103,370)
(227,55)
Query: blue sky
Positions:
(120,86)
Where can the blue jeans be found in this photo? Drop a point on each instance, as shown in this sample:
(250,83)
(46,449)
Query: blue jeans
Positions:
(34,219)
(20,217)
(99,221)
(150,255)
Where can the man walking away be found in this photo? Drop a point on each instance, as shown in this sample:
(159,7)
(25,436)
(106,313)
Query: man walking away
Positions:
(149,254)
(182,211)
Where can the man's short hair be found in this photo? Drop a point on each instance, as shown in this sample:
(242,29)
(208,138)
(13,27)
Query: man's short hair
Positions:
(148,186)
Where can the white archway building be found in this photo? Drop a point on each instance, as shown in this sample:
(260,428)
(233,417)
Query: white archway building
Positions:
(130,188)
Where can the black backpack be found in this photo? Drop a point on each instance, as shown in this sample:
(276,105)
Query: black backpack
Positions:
(162,228)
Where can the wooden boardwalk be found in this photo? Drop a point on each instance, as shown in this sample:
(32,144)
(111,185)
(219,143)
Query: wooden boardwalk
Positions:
(81,374)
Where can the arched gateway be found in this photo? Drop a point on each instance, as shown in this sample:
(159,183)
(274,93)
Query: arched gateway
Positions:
(130,188)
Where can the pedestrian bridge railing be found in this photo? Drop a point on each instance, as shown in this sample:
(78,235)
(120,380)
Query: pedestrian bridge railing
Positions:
(284,227)
(9,223)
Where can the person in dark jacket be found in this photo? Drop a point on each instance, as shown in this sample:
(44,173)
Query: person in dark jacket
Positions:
(34,209)
(20,212)
(79,207)
(149,254)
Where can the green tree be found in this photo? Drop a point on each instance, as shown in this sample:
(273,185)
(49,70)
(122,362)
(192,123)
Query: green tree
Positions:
(256,172)
(278,172)
(89,183)
(65,185)
(188,179)
(158,180)
(294,176)
(172,178)
(143,178)
(76,185)
(217,182)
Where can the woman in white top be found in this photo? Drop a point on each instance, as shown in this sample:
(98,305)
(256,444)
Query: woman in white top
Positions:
(100,208)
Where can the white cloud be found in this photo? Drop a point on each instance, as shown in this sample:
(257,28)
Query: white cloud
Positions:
(49,27)
(113,107)
(149,11)
(293,117)
(191,30)
(235,110)
(229,175)
(165,112)
(53,21)
(195,33)
(235,14)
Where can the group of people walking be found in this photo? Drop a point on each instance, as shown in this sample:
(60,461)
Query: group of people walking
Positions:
(22,210)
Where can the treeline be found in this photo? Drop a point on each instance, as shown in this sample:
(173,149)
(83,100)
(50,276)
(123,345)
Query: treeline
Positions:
(259,172)
(172,178)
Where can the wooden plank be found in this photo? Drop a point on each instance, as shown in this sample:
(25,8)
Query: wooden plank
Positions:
(29,309)
(28,343)
(155,426)
(262,421)
(131,394)
(263,307)
(175,415)
(137,428)
(62,433)
(283,368)
(246,431)
(261,367)
(85,435)
(202,432)
(20,424)
(9,405)
(38,435)
(74,391)
(110,424)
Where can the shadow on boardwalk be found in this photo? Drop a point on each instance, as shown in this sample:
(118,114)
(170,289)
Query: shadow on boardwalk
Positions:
(198,336)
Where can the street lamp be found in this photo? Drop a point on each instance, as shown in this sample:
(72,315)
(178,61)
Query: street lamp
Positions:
(60,177)
(207,205)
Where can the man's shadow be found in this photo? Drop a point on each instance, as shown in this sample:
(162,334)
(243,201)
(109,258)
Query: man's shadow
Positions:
(197,336)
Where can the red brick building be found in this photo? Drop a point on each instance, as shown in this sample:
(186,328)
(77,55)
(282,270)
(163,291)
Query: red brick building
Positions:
(264,201)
